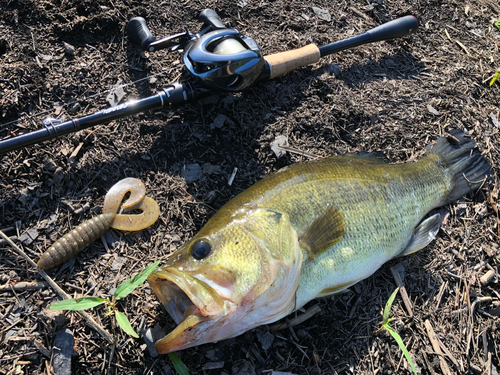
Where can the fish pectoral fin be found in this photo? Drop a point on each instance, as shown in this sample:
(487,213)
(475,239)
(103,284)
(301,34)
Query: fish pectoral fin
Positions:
(326,230)
(423,234)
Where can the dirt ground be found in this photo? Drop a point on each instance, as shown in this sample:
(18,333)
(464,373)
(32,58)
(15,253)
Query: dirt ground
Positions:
(59,58)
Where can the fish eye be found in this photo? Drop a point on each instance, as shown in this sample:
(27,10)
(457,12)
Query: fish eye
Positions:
(201,249)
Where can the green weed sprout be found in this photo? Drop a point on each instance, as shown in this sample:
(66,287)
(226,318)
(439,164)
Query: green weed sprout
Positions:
(178,365)
(394,334)
(495,77)
(123,290)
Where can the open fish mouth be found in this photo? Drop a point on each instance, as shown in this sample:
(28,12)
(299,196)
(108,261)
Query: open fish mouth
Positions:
(188,300)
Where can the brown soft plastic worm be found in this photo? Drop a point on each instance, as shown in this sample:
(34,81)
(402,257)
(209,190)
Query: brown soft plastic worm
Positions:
(72,243)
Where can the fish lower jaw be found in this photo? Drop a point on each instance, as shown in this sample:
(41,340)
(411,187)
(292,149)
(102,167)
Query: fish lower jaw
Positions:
(177,340)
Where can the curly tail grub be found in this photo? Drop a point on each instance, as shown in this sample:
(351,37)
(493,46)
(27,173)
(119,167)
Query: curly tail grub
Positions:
(72,243)
(86,233)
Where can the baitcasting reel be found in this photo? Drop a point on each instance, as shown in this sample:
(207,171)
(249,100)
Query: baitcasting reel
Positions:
(218,57)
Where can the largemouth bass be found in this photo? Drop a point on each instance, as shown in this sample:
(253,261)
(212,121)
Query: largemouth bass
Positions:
(309,230)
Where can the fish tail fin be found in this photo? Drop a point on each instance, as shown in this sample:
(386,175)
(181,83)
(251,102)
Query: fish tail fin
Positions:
(466,165)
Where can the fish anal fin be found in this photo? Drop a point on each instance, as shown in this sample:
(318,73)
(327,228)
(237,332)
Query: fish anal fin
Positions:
(326,230)
(423,234)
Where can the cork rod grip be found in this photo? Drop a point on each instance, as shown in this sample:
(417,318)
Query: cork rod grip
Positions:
(285,62)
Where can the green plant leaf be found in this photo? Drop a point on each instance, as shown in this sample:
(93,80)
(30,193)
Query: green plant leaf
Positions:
(497,23)
(77,304)
(388,305)
(178,364)
(128,286)
(402,345)
(124,324)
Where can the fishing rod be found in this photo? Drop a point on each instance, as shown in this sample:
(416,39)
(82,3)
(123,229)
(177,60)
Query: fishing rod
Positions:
(216,59)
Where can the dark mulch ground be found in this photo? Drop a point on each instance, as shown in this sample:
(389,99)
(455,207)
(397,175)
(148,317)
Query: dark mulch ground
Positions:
(393,97)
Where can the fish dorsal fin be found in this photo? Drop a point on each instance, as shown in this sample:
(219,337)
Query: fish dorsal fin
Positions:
(423,234)
(367,156)
(326,230)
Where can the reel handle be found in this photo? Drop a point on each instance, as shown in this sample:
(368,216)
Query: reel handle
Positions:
(211,18)
(139,33)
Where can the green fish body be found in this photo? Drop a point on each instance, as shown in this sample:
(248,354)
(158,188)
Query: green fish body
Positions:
(308,231)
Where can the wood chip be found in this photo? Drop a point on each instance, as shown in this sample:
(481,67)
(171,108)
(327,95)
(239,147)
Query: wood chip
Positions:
(432,110)
(233,175)
(494,120)
(396,273)
(487,277)
(437,348)
(75,152)
(310,312)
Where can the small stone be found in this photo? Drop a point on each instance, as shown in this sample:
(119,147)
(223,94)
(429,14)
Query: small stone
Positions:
(242,3)
(58,177)
(280,140)
(9,334)
(266,339)
(167,370)
(191,172)
(23,196)
(219,121)
(150,336)
(211,169)
(118,263)
(29,236)
(215,355)
(322,14)
(213,365)
(334,69)
(60,320)
(230,99)
(47,57)
(116,95)
(111,239)
(68,49)
(75,108)
(50,165)
(460,208)
(62,351)
(243,368)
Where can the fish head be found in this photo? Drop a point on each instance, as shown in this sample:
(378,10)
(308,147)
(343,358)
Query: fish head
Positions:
(240,271)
